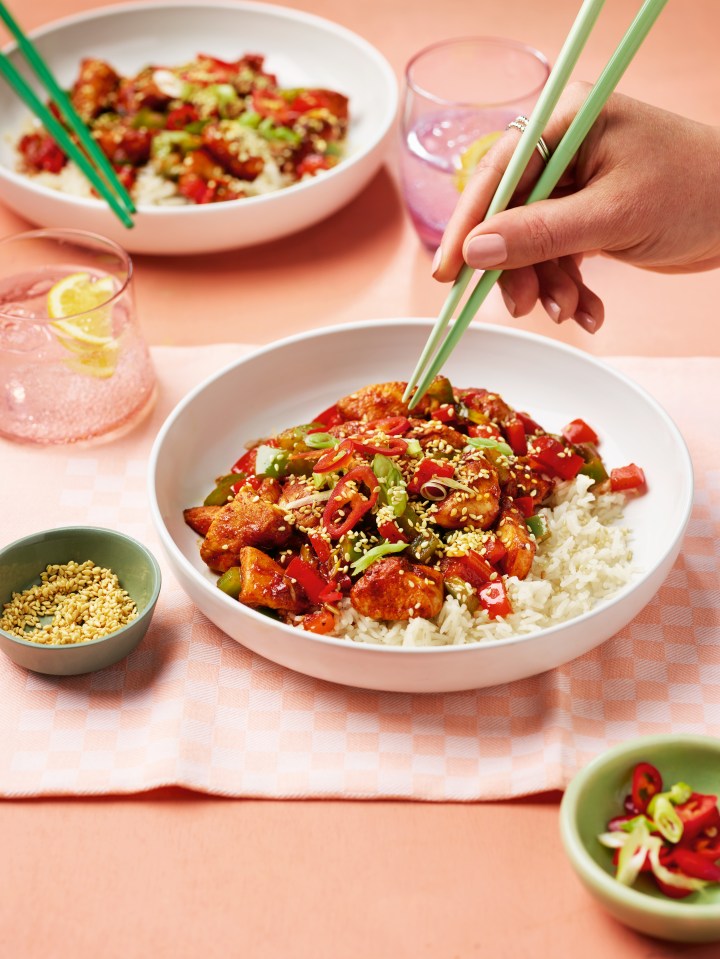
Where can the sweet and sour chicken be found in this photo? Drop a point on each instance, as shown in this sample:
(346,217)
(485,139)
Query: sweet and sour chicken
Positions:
(390,510)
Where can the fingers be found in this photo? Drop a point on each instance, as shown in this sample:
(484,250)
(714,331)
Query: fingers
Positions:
(559,286)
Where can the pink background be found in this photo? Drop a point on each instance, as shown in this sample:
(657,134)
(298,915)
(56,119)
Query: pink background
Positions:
(173,873)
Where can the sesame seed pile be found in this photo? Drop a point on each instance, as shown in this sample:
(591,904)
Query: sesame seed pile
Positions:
(85,602)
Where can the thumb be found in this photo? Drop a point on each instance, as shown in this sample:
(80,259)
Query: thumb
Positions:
(526,235)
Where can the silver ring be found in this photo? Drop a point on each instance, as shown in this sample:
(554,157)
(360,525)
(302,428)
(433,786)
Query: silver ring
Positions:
(520,123)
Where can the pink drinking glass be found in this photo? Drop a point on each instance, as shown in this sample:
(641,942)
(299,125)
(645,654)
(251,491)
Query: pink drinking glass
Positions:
(457,91)
(80,377)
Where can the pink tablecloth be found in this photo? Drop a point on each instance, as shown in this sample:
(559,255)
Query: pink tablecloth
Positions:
(193,708)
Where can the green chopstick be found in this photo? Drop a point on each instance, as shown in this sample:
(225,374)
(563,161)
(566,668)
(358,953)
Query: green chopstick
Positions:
(546,103)
(558,163)
(61,137)
(111,183)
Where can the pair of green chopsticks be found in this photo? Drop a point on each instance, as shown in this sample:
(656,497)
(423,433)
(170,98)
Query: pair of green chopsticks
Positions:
(435,354)
(101,175)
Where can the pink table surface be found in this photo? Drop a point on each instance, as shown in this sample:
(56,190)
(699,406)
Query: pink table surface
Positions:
(177,874)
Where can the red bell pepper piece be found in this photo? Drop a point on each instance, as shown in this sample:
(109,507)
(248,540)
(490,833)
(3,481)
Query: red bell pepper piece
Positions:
(444,413)
(246,463)
(552,456)
(179,118)
(495,600)
(320,545)
(346,493)
(485,430)
(577,431)
(313,163)
(476,569)
(493,550)
(528,423)
(335,459)
(646,782)
(515,435)
(526,505)
(626,477)
(392,532)
(699,812)
(329,417)
(426,470)
(308,577)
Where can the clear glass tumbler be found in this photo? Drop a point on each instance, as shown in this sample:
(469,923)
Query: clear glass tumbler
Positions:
(73,363)
(457,95)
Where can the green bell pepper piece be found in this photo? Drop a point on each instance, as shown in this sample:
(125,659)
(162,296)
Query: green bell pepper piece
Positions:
(231,582)
(221,494)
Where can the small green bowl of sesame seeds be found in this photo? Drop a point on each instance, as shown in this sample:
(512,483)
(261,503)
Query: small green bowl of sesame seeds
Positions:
(75,599)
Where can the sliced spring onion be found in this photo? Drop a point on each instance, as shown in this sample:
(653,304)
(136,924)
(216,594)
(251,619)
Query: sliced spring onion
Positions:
(439,485)
(377,552)
(612,840)
(633,852)
(484,443)
(666,819)
(433,490)
(392,481)
(308,500)
(320,441)
(414,448)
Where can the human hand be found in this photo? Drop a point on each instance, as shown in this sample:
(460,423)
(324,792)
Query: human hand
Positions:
(642,188)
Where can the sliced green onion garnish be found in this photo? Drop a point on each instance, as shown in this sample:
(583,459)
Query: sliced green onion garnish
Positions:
(414,448)
(320,441)
(666,819)
(485,443)
(377,552)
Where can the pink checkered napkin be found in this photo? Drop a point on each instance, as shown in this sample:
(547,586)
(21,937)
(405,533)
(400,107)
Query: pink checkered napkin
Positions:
(193,708)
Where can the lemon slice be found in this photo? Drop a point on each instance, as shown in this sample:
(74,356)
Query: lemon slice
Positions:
(82,319)
(470,158)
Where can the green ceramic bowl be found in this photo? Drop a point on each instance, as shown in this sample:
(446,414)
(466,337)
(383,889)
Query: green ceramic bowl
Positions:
(137,570)
(596,794)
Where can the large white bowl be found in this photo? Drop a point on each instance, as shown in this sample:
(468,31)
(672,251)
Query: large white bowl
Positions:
(302,49)
(289,382)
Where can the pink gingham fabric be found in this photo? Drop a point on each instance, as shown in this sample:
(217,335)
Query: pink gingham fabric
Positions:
(192,708)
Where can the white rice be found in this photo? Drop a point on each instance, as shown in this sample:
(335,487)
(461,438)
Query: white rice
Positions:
(149,189)
(586,559)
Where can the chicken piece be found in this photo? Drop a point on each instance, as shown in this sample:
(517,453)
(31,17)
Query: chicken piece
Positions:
(523,480)
(435,434)
(513,533)
(492,405)
(305,517)
(379,400)
(477,510)
(140,91)
(265,583)
(393,588)
(95,89)
(199,518)
(232,152)
(121,143)
(251,519)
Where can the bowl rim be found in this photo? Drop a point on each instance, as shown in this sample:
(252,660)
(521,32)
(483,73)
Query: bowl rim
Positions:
(390,103)
(684,506)
(98,531)
(628,896)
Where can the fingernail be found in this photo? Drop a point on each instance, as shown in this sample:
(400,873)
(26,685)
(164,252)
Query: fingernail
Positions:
(436,260)
(486,251)
(586,321)
(551,308)
(509,303)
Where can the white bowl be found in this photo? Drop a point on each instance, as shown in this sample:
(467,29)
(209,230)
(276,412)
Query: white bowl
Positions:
(288,382)
(302,49)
